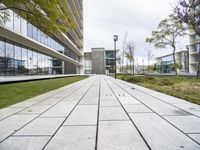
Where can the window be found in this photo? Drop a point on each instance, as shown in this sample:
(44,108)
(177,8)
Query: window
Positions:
(24,61)
(17,23)
(35,63)
(29,30)
(10,68)
(9,23)
(23,26)
(30,62)
(34,33)
(39,63)
(18,59)
(2,58)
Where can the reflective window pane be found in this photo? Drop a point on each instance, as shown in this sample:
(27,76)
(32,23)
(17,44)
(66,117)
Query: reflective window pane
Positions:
(10,66)
(25,61)
(18,59)
(2,58)
(30,62)
(9,23)
(35,63)
(17,23)
(23,26)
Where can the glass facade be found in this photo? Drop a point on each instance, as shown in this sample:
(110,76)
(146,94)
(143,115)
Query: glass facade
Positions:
(110,61)
(165,64)
(17,59)
(88,62)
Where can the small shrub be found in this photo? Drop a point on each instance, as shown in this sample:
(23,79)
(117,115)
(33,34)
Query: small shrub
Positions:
(165,82)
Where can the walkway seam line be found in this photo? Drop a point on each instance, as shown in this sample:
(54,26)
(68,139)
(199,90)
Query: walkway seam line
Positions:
(157,113)
(97,128)
(40,114)
(130,118)
(67,116)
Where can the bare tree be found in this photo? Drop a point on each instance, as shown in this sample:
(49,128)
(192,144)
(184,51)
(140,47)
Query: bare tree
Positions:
(149,55)
(130,53)
(123,50)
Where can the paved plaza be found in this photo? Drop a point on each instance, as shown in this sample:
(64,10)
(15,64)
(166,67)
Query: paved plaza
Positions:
(101,113)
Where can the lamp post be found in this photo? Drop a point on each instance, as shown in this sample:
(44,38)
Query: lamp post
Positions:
(115,38)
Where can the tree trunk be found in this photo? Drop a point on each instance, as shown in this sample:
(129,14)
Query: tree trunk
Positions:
(133,69)
(122,62)
(130,66)
(148,66)
(198,66)
(174,58)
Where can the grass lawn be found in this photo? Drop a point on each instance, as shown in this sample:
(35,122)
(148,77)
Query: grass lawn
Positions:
(181,87)
(17,92)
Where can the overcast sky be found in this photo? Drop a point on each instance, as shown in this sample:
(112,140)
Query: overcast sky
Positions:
(104,18)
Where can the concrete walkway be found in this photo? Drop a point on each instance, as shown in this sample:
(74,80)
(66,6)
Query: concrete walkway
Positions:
(101,113)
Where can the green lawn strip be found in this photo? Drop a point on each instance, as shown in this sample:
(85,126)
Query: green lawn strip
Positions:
(17,92)
(181,87)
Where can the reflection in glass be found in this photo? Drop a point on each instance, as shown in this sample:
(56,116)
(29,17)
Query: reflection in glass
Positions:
(10,68)
(2,58)
(25,61)
(17,60)
(17,23)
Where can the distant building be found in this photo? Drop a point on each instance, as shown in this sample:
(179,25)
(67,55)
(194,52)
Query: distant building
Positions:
(88,62)
(99,61)
(165,63)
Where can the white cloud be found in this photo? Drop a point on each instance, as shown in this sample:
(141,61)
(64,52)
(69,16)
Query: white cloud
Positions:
(104,18)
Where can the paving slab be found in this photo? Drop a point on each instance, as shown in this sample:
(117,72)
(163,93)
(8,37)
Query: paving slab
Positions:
(23,104)
(188,124)
(160,107)
(83,115)
(112,113)
(73,138)
(128,100)
(137,109)
(24,143)
(5,112)
(162,135)
(13,123)
(108,98)
(73,98)
(110,104)
(89,100)
(41,126)
(35,109)
(189,107)
(196,137)
(61,109)
(119,135)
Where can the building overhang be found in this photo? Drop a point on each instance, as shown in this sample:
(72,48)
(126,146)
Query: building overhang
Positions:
(26,41)
(62,37)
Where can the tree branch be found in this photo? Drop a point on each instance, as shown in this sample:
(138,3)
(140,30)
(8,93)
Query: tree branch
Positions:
(15,8)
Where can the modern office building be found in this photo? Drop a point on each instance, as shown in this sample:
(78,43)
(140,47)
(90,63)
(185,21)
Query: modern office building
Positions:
(165,63)
(194,44)
(88,62)
(99,61)
(26,50)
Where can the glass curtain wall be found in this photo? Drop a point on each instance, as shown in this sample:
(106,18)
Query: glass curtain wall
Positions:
(17,59)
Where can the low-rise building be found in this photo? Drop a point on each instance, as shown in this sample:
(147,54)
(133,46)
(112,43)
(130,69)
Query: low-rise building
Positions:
(99,61)
(165,64)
